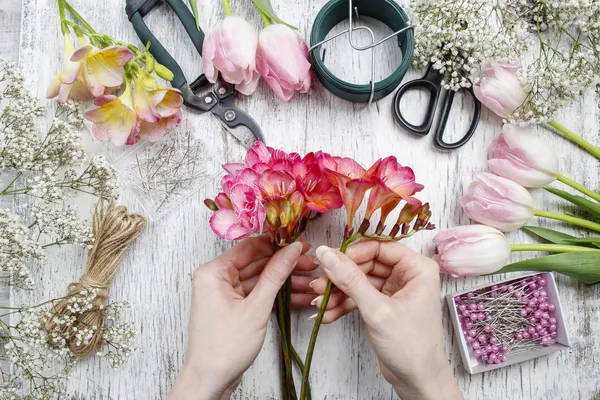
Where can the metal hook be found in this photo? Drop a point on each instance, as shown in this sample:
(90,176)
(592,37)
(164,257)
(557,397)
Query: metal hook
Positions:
(371,46)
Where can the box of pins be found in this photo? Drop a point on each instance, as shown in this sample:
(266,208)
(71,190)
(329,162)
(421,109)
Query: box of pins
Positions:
(508,322)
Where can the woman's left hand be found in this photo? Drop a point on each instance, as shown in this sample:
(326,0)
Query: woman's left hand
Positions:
(232,299)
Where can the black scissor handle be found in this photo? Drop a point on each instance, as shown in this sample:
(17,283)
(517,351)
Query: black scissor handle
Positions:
(136,9)
(434,93)
(443,120)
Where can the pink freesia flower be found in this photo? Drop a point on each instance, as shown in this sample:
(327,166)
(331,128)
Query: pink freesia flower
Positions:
(282,60)
(392,184)
(524,158)
(230,48)
(471,250)
(499,88)
(246,216)
(320,195)
(115,118)
(102,68)
(498,202)
(350,178)
(69,83)
(159,110)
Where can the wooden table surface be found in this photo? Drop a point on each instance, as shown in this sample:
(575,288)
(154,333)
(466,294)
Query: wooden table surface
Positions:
(155,275)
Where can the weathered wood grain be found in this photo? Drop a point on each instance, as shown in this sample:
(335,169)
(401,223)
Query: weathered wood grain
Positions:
(155,275)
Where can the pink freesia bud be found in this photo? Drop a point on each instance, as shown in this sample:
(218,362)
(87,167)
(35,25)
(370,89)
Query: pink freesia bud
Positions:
(392,183)
(350,178)
(70,82)
(524,158)
(102,68)
(498,202)
(500,89)
(230,48)
(115,118)
(282,60)
(471,250)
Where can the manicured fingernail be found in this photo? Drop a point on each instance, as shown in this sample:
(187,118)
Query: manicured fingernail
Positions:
(311,283)
(327,256)
(316,261)
(316,299)
(297,245)
(313,316)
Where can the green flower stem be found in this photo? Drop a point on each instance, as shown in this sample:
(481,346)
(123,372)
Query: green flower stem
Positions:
(568,219)
(78,16)
(578,187)
(315,331)
(590,148)
(551,248)
(266,20)
(6,189)
(63,21)
(283,317)
(298,360)
(226,8)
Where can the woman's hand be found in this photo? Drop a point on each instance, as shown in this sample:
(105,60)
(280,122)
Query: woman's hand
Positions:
(398,294)
(232,300)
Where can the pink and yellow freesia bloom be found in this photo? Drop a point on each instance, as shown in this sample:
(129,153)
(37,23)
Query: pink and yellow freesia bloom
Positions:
(115,118)
(159,110)
(102,68)
(70,82)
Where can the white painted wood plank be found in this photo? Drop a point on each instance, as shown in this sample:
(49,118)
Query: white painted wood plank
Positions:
(344,365)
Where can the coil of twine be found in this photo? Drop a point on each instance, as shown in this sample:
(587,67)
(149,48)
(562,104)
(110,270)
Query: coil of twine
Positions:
(114,230)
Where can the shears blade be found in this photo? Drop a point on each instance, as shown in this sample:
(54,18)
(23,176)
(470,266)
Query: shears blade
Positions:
(241,133)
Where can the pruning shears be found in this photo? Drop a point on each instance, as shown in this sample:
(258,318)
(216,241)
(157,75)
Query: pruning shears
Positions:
(219,100)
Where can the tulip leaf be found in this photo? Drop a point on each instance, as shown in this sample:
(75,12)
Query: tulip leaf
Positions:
(548,234)
(583,266)
(265,7)
(594,241)
(589,206)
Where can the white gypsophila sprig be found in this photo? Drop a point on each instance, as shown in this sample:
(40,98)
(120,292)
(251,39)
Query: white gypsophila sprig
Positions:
(457,36)
(41,357)
(61,224)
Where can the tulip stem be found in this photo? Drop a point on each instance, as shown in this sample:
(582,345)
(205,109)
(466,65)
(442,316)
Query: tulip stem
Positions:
(569,219)
(590,148)
(78,17)
(266,20)
(551,248)
(317,325)
(578,187)
(226,8)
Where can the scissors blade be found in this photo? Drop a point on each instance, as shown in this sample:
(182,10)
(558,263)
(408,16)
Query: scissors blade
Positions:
(241,133)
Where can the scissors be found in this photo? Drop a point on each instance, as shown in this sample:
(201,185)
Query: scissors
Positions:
(219,100)
(432,82)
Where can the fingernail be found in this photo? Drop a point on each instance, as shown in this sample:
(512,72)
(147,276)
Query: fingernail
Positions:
(327,256)
(316,261)
(316,299)
(313,316)
(312,282)
(297,245)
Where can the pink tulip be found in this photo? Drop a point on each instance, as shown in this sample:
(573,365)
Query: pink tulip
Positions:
(392,183)
(498,202)
(230,48)
(471,250)
(500,89)
(282,60)
(350,178)
(115,118)
(524,158)
(102,68)
(70,82)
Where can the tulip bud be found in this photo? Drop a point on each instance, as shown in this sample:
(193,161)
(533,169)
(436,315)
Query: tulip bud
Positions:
(500,89)
(163,72)
(524,158)
(498,202)
(212,206)
(471,250)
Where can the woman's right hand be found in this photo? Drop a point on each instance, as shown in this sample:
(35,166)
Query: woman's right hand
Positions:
(398,294)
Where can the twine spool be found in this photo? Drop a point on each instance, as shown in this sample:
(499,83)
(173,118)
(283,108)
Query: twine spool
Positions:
(114,230)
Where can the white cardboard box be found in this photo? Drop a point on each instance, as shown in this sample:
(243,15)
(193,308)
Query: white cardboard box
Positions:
(475,366)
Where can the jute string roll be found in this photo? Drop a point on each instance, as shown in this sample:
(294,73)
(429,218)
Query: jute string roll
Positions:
(114,230)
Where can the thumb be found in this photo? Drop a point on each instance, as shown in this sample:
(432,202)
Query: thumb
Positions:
(346,275)
(272,278)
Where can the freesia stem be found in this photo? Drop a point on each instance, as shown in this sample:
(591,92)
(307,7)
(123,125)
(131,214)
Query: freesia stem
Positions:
(315,331)
(226,8)
(78,17)
(578,187)
(576,138)
(63,22)
(288,389)
(569,219)
(551,248)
